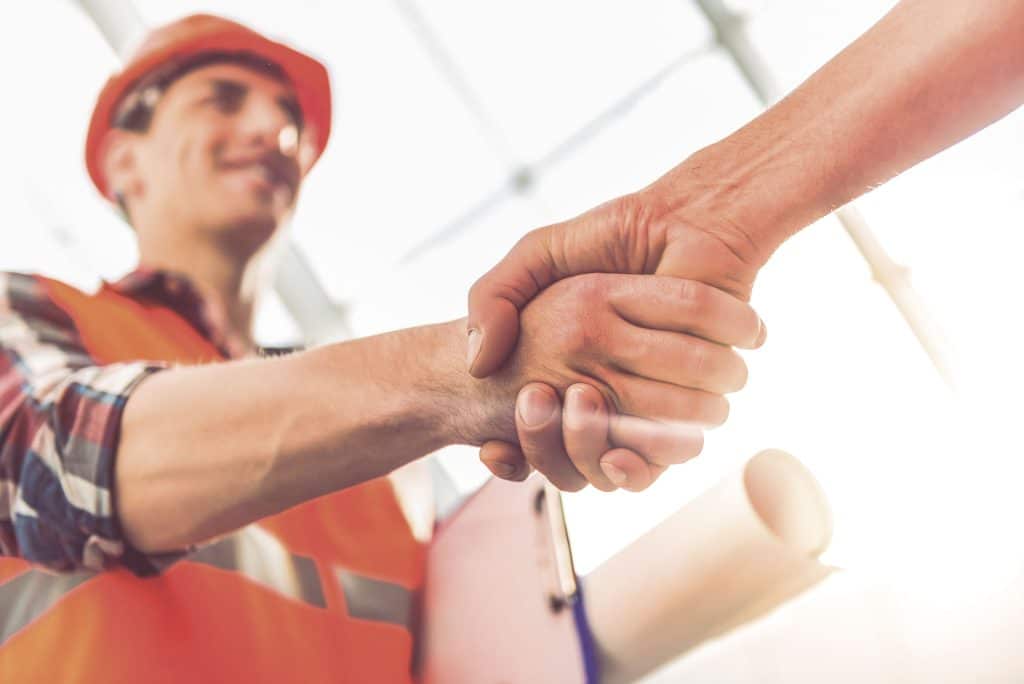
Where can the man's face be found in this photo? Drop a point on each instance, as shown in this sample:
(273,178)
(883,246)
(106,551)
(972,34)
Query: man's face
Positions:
(221,154)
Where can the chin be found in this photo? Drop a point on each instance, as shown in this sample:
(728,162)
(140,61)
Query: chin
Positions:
(247,233)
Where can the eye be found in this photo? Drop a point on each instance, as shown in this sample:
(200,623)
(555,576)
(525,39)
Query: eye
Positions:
(227,98)
(228,102)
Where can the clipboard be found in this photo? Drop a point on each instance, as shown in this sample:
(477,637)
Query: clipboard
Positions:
(500,591)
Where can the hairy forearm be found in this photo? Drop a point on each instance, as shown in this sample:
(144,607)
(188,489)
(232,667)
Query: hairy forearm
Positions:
(929,74)
(205,450)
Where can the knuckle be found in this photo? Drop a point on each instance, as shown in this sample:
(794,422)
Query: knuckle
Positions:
(580,330)
(572,337)
(592,289)
(629,212)
(576,337)
(684,292)
(631,218)
(698,359)
(695,296)
(578,287)
(627,208)
(635,349)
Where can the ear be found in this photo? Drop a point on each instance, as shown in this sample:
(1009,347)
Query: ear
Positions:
(306,153)
(120,163)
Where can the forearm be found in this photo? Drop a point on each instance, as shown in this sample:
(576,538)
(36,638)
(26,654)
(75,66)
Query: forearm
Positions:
(929,74)
(205,450)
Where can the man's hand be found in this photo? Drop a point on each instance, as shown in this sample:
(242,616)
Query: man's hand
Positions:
(631,452)
(634,234)
(893,98)
(640,233)
(642,343)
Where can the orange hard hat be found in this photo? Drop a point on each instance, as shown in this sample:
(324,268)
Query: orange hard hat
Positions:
(203,33)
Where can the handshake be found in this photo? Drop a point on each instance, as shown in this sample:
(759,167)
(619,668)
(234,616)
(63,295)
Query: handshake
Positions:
(616,333)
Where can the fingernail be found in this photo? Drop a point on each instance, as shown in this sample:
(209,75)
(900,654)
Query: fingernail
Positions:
(536,407)
(613,473)
(473,350)
(502,469)
(579,408)
(762,332)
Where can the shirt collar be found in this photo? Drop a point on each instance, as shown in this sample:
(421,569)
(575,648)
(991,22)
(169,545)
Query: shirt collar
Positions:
(178,293)
(150,282)
(174,291)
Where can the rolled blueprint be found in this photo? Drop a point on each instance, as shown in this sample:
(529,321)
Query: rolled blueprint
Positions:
(734,553)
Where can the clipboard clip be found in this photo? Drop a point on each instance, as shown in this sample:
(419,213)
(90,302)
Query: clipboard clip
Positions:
(563,590)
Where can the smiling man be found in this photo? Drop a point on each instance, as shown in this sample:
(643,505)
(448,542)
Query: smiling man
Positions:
(134,430)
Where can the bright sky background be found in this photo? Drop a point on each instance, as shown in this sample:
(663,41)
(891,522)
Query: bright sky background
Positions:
(923,484)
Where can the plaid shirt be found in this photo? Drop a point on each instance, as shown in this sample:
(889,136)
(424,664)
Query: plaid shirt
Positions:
(60,419)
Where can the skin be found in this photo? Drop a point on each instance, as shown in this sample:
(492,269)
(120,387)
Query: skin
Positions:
(929,74)
(205,450)
(199,147)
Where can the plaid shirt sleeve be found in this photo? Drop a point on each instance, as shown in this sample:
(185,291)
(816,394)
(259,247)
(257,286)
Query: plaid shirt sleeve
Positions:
(60,418)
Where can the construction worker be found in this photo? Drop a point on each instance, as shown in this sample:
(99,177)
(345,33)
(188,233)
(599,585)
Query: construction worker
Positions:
(137,423)
(929,74)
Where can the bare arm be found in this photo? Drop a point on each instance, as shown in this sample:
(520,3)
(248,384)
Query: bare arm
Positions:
(929,74)
(208,449)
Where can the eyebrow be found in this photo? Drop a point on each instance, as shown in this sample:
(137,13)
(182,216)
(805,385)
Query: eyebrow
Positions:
(224,85)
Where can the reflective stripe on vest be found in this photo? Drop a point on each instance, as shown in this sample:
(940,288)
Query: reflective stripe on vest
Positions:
(323,592)
(251,552)
(31,594)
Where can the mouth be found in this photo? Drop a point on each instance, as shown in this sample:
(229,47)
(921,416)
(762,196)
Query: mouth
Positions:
(263,173)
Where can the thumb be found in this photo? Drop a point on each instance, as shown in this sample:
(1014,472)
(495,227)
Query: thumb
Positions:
(492,330)
(597,241)
(495,301)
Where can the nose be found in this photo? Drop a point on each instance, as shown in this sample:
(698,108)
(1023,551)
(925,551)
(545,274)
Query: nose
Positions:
(265,124)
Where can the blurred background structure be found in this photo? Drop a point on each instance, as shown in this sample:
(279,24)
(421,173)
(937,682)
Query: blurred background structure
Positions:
(460,126)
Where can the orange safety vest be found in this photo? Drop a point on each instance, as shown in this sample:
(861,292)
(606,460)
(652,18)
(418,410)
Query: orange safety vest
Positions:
(322,592)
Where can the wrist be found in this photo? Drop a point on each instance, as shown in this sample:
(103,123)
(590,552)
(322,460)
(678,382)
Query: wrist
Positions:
(467,410)
(748,190)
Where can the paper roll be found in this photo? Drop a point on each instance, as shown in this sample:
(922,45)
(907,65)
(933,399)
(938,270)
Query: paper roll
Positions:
(734,553)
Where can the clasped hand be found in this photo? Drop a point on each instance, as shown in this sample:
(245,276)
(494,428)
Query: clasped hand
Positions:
(633,359)
(650,357)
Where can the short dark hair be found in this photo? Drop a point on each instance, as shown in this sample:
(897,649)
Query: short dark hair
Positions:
(135,110)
